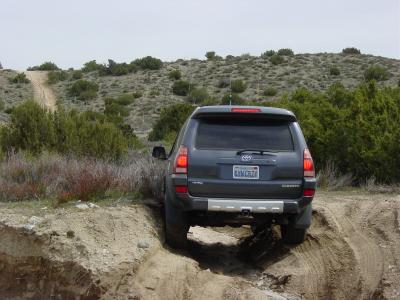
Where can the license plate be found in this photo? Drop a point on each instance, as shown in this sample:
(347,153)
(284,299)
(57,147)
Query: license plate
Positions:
(245,172)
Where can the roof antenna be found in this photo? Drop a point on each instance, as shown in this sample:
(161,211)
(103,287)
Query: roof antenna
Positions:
(230,91)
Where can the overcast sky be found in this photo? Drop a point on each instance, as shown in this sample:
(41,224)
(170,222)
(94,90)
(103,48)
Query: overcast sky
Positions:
(71,32)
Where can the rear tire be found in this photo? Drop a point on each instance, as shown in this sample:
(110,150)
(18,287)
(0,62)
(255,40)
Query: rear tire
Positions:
(176,226)
(292,235)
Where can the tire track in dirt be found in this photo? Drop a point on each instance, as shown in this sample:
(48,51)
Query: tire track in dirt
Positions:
(367,253)
(43,94)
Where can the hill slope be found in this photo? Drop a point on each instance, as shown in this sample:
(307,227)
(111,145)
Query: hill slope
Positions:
(308,70)
(302,70)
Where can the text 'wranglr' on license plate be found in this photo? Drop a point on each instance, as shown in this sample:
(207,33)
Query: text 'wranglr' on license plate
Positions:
(245,172)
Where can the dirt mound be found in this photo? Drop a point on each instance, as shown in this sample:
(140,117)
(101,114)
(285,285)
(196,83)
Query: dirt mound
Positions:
(352,251)
(70,253)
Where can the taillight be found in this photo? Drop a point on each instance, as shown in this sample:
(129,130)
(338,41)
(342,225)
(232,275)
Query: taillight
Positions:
(308,192)
(308,164)
(181,189)
(245,110)
(181,161)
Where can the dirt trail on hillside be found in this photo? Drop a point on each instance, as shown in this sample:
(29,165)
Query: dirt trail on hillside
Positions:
(352,251)
(43,93)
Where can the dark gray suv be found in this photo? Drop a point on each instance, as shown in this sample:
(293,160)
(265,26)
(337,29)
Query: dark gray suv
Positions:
(236,165)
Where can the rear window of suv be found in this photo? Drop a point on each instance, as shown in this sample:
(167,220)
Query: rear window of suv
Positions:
(244,134)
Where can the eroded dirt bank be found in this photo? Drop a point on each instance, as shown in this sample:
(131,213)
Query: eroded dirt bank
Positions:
(352,252)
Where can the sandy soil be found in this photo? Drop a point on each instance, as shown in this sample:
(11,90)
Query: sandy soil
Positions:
(352,251)
(43,94)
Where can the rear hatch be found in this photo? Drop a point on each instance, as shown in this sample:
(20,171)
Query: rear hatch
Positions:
(244,157)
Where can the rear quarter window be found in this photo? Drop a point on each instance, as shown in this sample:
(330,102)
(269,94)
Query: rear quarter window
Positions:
(244,134)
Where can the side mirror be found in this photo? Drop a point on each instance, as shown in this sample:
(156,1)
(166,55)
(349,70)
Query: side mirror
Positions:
(159,152)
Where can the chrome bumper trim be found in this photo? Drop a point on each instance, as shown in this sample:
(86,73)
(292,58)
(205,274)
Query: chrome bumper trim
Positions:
(249,205)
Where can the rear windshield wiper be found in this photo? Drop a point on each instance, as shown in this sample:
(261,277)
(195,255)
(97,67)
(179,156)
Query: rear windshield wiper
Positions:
(254,151)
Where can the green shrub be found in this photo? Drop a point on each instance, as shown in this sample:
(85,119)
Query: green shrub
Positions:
(233,99)
(31,129)
(9,110)
(148,63)
(34,129)
(77,74)
(351,50)
(181,88)
(137,94)
(224,82)
(83,90)
(91,66)
(267,53)
(2,104)
(238,86)
(334,70)
(46,66)
(270,91)
(197,95)
(117,69)
(56,76)
(175,74)
(170,121)
(285,52)
(19,78)
(210,101)
(210,55)
(125,99)
(276,59)
(114,108)
(376,72)
(356,130)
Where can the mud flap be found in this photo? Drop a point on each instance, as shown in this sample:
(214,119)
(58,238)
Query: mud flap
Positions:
(303,219)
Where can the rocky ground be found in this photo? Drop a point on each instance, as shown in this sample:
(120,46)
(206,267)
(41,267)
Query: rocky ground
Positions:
(116,251)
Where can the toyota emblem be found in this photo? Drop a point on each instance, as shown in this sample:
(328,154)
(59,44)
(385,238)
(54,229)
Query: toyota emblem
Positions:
(246,157)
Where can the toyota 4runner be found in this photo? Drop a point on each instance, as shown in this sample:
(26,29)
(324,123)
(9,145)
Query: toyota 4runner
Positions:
(237,165)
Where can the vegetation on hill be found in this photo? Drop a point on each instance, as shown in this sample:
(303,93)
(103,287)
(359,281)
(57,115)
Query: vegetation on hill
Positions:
(174,82)
(19,78)
(351,50)
(46,66)
(356,130)
(34,129)
(83,90)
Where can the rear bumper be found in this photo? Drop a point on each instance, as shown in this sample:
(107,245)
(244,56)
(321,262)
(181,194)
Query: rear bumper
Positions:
(188,202)
(274,206)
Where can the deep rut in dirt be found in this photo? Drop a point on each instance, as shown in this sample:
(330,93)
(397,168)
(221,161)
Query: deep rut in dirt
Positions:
(352,251)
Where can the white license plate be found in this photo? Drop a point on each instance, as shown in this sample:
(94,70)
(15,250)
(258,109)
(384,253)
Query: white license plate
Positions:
(246,172)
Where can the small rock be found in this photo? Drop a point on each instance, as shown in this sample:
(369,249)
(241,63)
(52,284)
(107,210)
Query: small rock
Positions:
(143,245)
(92,205)
(70,234)
(82,206)
(32,222)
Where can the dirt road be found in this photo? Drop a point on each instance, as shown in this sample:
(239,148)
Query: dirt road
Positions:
(352,252)
(43,94)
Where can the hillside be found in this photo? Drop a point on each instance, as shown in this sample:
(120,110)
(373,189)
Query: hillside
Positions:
(12,94)
(155,86)
(308,70)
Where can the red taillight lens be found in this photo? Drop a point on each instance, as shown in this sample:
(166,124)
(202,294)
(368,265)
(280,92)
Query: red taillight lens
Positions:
(308,192)
(246,110)
(181,161)
(308,164)
(181,189)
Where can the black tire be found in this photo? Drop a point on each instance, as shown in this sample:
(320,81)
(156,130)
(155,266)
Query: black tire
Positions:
(176,226)
(292,235)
